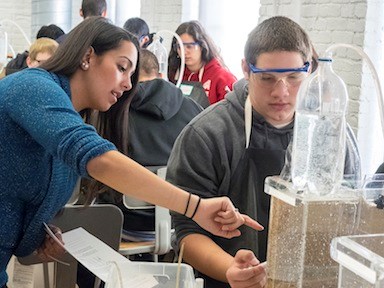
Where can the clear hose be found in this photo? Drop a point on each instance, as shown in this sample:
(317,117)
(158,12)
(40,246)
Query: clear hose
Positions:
(2,22)
(7,44)
(374,74)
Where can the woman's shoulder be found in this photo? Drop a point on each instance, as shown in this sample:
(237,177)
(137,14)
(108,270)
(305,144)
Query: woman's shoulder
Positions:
(29,76)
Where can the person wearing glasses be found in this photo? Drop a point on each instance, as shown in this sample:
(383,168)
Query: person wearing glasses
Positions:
(203,63)
(230,148)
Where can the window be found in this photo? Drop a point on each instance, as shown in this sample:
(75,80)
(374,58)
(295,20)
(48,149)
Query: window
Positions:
(229,25)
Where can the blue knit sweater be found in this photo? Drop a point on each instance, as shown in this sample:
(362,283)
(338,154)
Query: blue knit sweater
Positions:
(44,147)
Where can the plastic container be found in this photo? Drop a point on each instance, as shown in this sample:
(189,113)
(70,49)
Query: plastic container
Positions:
(164,274)
(161,54)
(361,260)
(318,150)
(302,227)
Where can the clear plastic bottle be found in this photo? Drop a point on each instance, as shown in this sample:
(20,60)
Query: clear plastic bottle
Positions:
(161,54)
(318,152)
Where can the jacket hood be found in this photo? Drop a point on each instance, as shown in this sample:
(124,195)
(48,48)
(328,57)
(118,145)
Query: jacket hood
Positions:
(17,64)
(239,94)
(156,98)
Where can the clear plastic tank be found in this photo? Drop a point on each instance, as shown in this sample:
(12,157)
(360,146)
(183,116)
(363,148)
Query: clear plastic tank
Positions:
(301,228)
(361,260)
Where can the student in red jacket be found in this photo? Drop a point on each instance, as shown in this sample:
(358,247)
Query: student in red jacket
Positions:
(203,62)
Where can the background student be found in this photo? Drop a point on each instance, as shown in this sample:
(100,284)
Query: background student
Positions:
(203,62)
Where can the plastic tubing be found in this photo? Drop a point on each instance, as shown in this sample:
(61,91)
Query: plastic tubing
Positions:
(364,56)
(182,56)
(18,26)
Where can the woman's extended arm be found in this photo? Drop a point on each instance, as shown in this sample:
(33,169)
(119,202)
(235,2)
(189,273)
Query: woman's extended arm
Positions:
(121,173)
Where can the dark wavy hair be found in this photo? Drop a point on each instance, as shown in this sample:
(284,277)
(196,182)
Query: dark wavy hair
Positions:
(100,34)
(209,50)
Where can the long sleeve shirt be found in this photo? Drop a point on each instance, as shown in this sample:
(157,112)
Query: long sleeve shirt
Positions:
(45,145)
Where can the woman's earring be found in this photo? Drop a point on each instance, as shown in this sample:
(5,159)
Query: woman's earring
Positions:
(85,65)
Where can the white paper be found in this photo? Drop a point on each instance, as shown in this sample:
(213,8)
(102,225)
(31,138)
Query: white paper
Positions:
(102,260)
(23,275)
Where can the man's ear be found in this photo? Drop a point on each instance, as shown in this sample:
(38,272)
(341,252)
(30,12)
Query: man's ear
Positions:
(28,61)
(104,13)
(81,13)
(144,40)
(245,68)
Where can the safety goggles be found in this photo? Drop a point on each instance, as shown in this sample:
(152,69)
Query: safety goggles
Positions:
(187,45)
(267,77)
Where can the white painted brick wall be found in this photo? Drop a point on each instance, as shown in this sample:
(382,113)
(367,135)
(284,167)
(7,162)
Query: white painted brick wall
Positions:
(20,12)
(162,14)
(329,23)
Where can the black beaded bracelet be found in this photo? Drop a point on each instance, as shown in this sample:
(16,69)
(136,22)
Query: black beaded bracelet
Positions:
(197,206)
(186,208)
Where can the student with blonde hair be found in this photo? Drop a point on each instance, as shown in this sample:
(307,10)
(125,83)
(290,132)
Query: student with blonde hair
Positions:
(40,51)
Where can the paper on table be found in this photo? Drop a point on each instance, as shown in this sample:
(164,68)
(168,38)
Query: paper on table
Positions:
(98,258)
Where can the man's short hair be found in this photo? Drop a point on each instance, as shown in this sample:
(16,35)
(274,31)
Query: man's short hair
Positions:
(50,31)
(137,27)
(149,63)
(93,8)
(277,34)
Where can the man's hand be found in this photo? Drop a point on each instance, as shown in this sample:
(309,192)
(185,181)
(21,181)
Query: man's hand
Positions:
(246,271)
